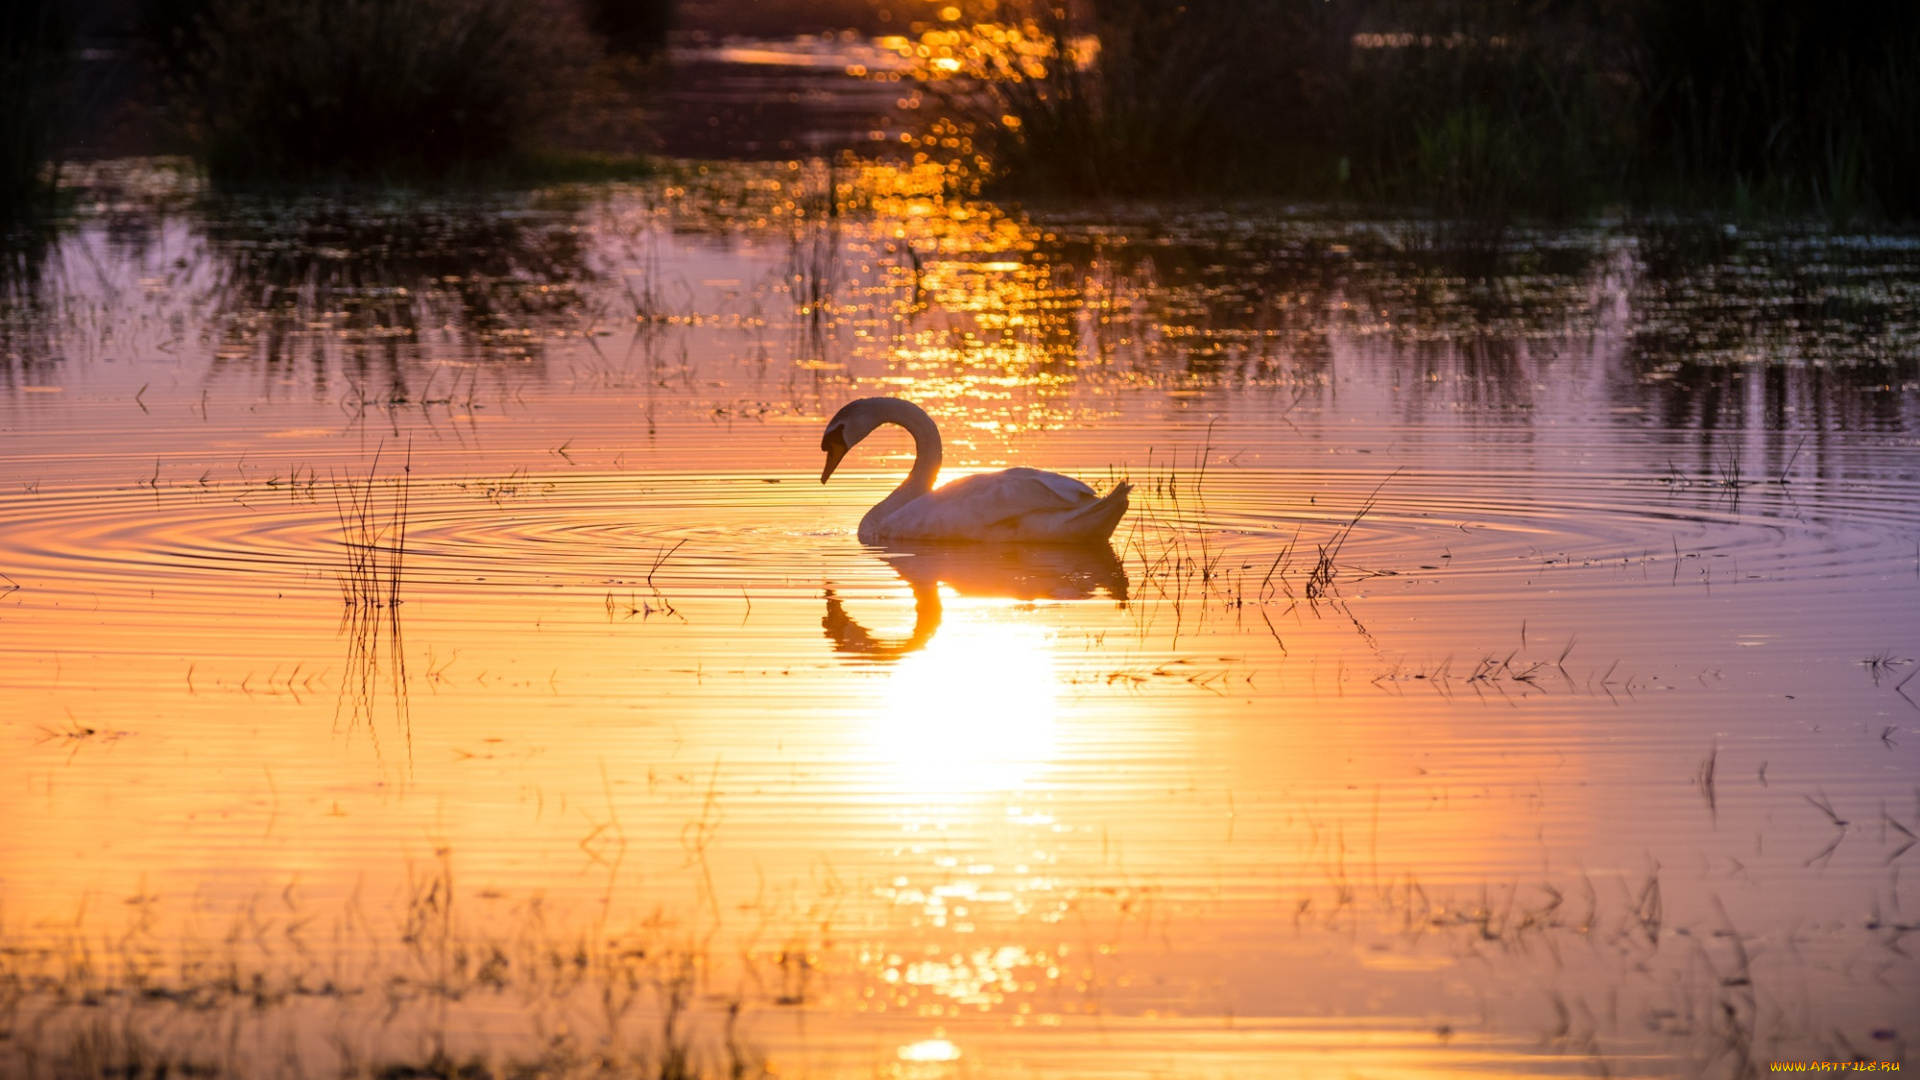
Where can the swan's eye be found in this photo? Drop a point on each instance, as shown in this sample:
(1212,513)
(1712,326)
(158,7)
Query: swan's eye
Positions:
(835,439)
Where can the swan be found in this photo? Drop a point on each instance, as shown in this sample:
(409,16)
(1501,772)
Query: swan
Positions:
(1020,505)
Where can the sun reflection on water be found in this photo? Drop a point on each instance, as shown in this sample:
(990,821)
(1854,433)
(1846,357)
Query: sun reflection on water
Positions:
(975,712)
(1243,808)
(930,1050)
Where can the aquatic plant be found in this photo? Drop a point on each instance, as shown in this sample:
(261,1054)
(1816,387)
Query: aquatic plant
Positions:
(1779,104)
(1475,111)
(1478,113)
(293,90)
(1460,108)
(1136,97)
(534,990)
(129,1002)
(36,67)
(813,263)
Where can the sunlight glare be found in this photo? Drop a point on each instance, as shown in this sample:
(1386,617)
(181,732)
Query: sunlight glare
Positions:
(929,1050)
(973,713)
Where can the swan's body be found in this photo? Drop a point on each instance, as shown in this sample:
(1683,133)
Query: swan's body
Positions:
(1020,505)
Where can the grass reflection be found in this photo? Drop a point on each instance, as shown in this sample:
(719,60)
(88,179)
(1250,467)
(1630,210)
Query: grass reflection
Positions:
(900,272)
(381,286)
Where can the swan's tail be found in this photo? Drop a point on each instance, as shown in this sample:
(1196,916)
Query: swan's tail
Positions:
(1097,520)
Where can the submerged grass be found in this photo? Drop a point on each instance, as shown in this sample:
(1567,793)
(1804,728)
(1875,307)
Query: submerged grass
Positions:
(288,988)
(395,273)
(1616,967)
(370,584)
(375,550)
(1178,559)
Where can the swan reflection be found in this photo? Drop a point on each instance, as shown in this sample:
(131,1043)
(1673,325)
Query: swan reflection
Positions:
(985,571)
(972,711)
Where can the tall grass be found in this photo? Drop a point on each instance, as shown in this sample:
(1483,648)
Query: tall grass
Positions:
(1135,96)
(1128,95)
(1475,111)
(813,263)
(1466,108)
(294,90)
(36,70)
(1475,106)
(1771,104)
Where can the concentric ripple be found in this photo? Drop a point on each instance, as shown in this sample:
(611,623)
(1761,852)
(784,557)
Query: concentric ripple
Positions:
(712,530)
(719,533)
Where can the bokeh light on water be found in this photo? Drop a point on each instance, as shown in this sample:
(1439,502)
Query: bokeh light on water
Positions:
(1492,674)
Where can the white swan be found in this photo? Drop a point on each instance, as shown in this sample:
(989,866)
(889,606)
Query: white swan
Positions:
(1023,505)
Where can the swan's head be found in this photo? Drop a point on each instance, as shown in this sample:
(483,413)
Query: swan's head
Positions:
(855,421)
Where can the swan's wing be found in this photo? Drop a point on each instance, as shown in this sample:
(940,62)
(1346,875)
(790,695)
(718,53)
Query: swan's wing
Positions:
(1033,488)
(989,498)
(1072,491)
(986,505)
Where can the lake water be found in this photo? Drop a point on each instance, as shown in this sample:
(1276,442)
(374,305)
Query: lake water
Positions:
(426,642)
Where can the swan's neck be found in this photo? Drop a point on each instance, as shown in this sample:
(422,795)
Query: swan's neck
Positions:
(926,459)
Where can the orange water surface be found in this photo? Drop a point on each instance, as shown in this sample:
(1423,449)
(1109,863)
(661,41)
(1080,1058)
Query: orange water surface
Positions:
(425,639)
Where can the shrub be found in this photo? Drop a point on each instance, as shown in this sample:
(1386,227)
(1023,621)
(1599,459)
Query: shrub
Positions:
(1481,111)
(1782,103)
(1141,96)
(1476,110)
(36,66)
(379,89)
(1471,109)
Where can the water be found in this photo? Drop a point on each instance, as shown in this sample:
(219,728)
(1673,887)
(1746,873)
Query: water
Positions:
(1587,746)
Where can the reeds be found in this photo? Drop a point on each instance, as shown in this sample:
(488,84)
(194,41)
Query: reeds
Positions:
(657,602)
(430,984)
(36,70)
(1179,561)
(1779,104)
(297,90)
(36,75)
(301,991)
(1127,97)
(1472,111)
(372,573)
(813,262)
(375,549)
(388,279)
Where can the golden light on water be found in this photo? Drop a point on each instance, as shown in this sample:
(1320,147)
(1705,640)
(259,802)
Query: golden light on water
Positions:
(974,713)
(1411,703)
(929,1050)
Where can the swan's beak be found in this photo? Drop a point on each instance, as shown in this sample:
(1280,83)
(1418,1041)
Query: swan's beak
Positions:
(836,448)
